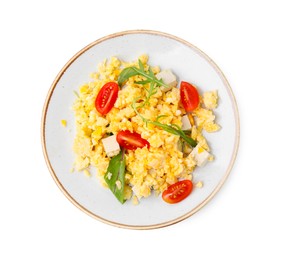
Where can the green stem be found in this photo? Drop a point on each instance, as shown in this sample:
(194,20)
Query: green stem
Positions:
(151,78)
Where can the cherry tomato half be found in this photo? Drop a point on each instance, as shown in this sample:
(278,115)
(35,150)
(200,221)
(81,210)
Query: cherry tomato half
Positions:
(189,96)
(106,97)
(177,191)
(131,141)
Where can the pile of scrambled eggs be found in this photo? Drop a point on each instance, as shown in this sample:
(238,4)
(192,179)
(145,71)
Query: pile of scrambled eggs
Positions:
(147,170)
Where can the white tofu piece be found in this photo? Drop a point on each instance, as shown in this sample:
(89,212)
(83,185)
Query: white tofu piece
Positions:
(111,145)
(200,155)
(168,78)
(186,125)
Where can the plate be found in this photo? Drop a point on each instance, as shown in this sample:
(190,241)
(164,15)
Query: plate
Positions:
(167,51)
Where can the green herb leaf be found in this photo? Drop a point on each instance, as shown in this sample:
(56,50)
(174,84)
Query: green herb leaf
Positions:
(76,93)
(149,78)
(160,116)
(172,128)
(143,82)
(141,66)
(115,176)
(187,132)
(126,74)
(133,71)
(176,130)
(151,73)
(189,140)
(154,83)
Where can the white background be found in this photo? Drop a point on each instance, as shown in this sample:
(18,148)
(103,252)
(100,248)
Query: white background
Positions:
(243,221)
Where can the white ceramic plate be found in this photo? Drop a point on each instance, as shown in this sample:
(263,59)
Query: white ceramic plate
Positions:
(167,51)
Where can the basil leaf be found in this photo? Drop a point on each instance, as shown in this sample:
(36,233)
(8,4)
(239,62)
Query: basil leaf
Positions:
(115,176)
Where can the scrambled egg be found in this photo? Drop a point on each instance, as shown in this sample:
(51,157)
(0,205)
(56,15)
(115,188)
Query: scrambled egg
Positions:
(63,122)
(147,170)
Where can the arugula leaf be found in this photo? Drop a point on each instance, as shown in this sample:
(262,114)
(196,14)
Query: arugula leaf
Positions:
(149,76)
(114,176)
(126,74)
(171,128)
(176,130)
(75,92)
(134,71)
(141,66)
(143,82)
(154,83)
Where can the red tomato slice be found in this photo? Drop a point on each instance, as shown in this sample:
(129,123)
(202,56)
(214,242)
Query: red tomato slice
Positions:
(189,96)
(106,97)
(177,191)
(131,141)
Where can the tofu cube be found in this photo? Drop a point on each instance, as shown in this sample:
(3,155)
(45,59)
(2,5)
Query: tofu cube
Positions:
(200,155)
(186,125)
(111,145)
(168,78)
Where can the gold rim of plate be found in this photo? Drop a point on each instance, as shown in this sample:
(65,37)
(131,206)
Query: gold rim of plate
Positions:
(235,148)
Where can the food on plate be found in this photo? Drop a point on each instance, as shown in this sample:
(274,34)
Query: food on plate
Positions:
(189,96)
(177,191)
(111,146)
(106,97)
(131,141)
(64,122)
(199,184)
(210,99)
(142,132)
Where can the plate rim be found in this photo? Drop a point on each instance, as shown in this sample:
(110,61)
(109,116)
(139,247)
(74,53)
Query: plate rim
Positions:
(219,185)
